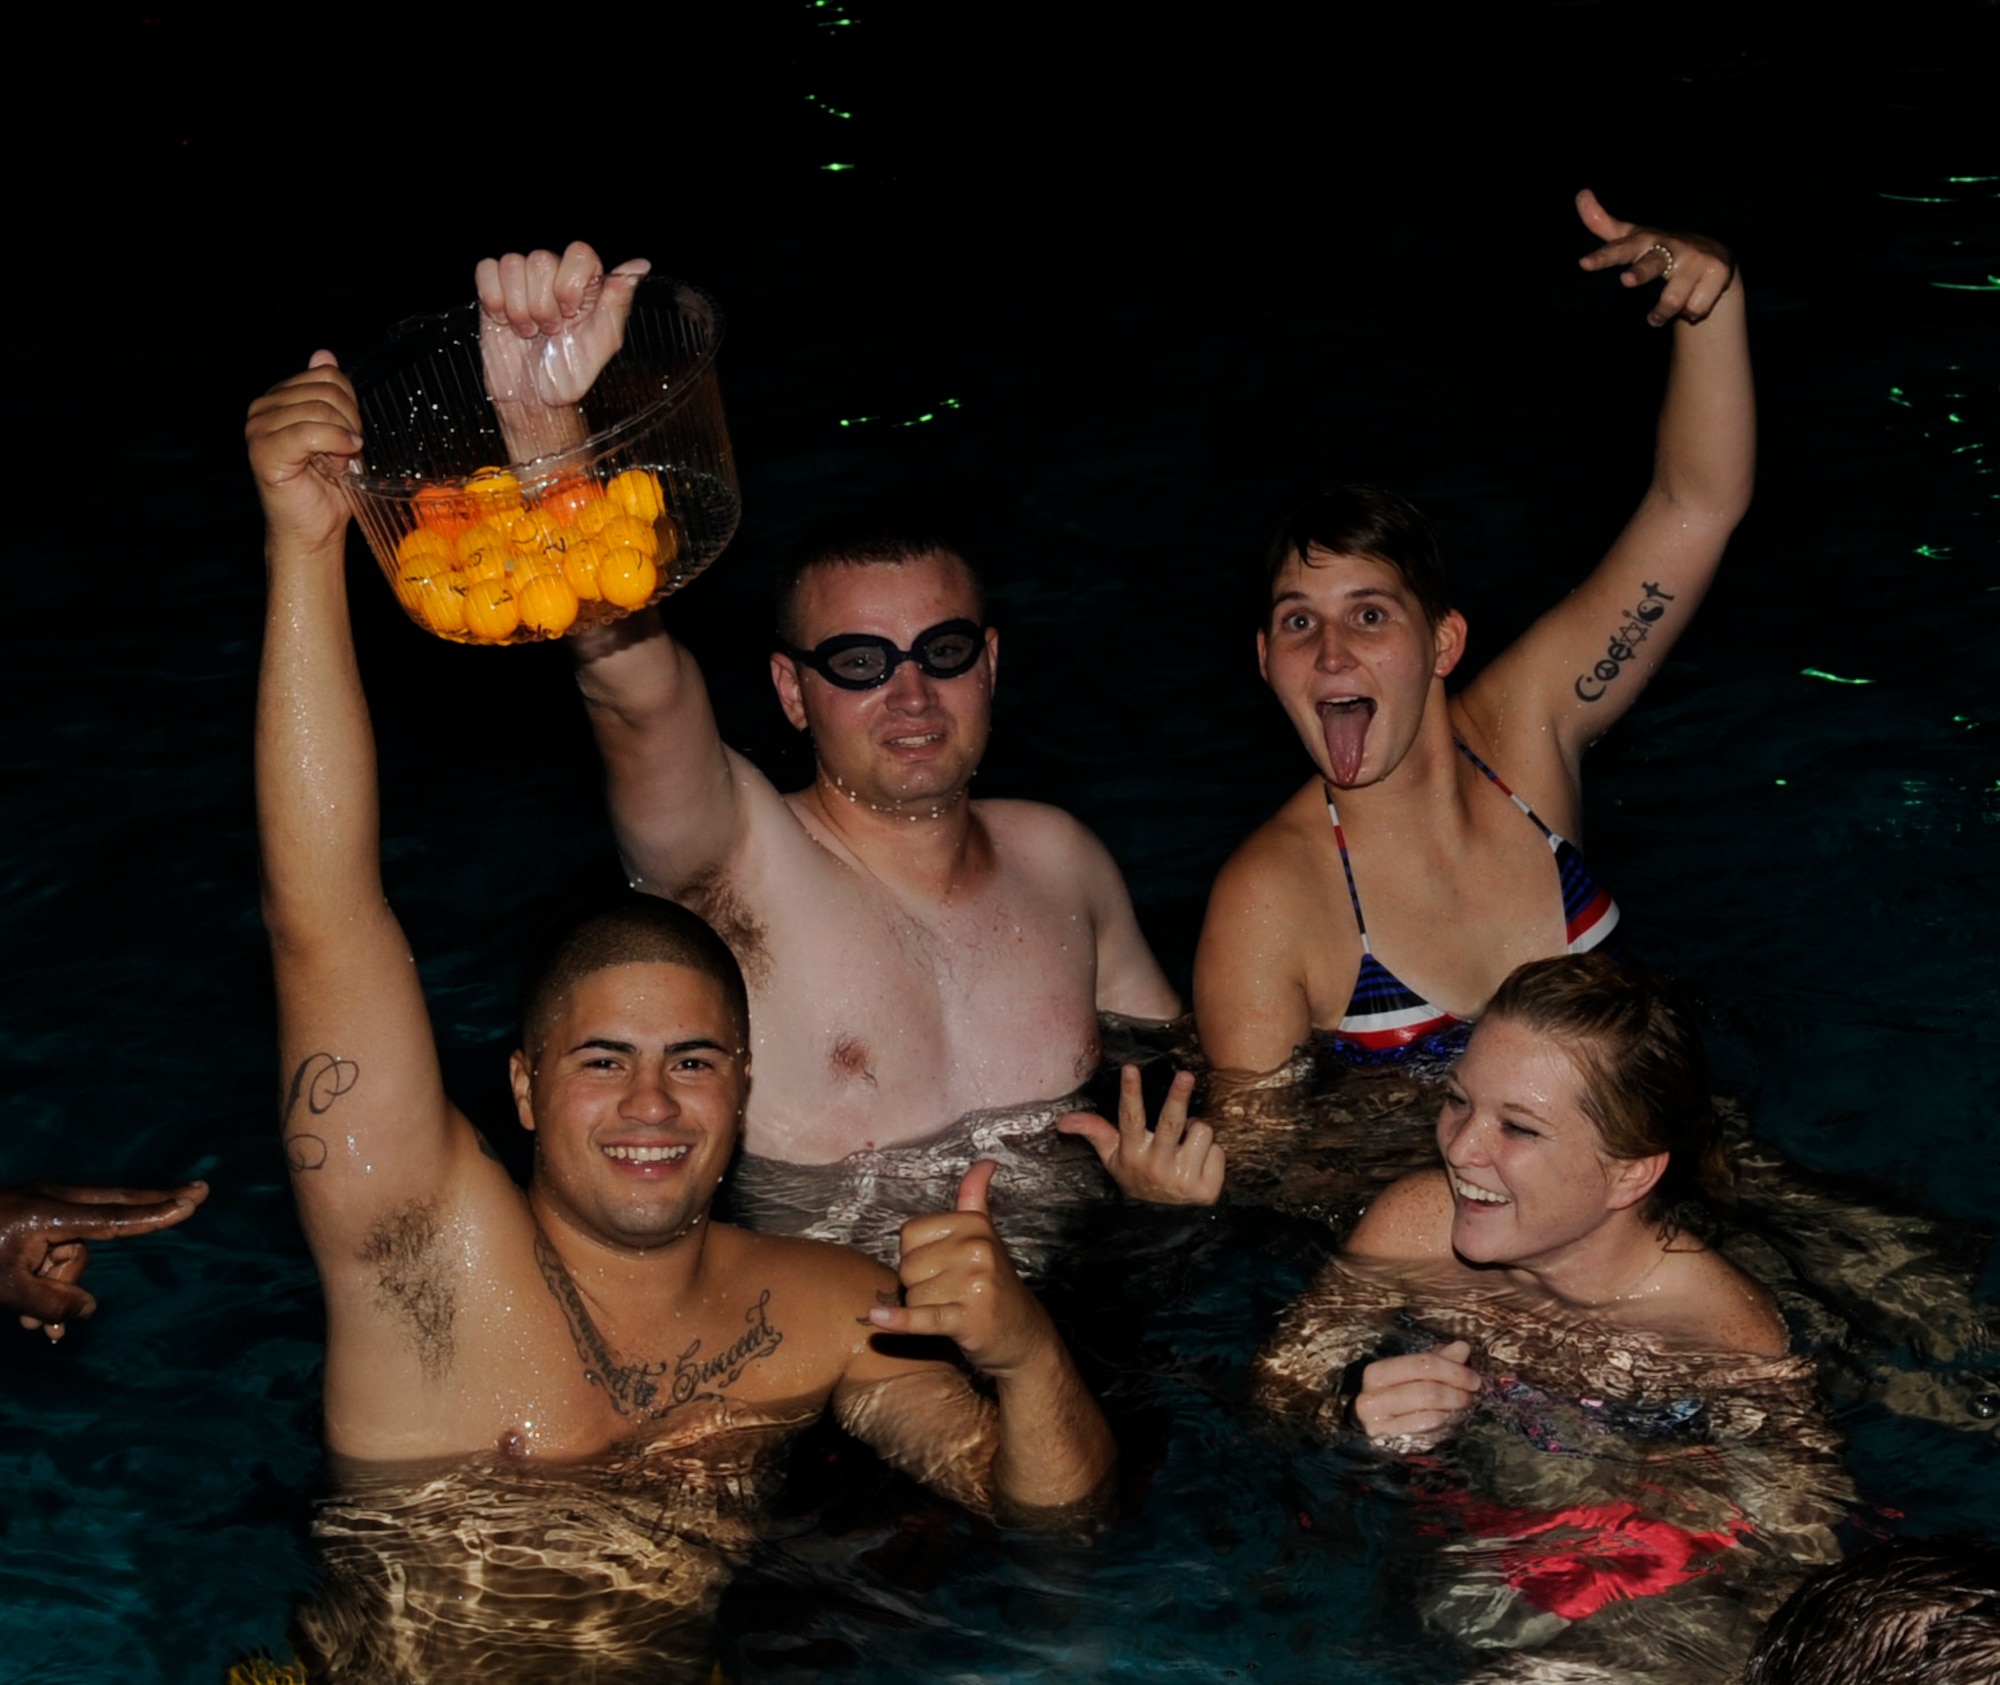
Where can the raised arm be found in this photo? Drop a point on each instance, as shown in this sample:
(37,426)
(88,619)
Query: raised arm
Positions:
(548,325)
(1584,663)
(367,1128)
(1050,1447)
(680,801)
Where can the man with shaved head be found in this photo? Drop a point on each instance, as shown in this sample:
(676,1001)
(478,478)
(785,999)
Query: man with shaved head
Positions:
(597,1322)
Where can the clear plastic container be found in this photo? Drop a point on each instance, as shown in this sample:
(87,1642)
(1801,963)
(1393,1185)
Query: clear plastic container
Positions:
(625,495)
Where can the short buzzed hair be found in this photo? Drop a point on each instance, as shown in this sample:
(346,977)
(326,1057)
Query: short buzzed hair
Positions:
(877,538)
(625,929)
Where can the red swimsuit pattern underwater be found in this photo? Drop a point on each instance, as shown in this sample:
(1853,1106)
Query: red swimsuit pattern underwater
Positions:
(1388,1023)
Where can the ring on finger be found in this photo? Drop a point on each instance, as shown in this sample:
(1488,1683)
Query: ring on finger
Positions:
(1666,257)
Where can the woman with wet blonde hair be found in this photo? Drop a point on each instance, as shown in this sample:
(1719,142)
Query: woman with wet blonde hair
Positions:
(1542,1313)
(1578,1137)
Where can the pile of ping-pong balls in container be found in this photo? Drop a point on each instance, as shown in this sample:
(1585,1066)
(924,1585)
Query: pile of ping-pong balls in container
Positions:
(488,562)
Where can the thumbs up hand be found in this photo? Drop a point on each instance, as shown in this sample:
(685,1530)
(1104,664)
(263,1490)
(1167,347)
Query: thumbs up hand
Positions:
(957,1283)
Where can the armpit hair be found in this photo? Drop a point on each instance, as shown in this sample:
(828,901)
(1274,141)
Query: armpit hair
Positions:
(714,896)
(414,1280)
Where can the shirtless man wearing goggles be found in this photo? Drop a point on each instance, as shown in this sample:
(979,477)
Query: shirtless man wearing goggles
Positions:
(991,932)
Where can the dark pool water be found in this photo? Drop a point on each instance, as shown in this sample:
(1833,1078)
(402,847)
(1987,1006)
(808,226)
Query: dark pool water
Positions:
(1107,307)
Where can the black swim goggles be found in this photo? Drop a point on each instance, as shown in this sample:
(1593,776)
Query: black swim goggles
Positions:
(863,660)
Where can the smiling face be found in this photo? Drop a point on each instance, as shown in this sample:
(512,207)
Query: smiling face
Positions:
(1531,1181)
(910,745)
(635,1094)
(1354,662)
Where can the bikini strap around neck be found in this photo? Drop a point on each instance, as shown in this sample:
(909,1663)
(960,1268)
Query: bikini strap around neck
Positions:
(1347,866)
(1501,785)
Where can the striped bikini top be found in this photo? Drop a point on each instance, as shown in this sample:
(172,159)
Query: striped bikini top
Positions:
(1388,1024)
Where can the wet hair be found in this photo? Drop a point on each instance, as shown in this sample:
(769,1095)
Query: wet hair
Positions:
(881,538)
(1645,1073)
(626,929)
(1913,1611)
(1362,521)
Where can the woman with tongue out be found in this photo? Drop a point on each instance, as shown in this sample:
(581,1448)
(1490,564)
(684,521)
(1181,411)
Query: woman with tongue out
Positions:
(1377,912)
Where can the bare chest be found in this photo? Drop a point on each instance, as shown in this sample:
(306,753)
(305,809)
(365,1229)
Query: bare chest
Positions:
(882,1017)
(517,1361)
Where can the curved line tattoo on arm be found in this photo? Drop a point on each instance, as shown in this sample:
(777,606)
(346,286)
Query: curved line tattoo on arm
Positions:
(320,1080)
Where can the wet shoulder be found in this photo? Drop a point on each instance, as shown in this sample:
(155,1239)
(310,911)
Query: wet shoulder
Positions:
(1410,1221)
(1717,1308)
(825,1291)
(1039,835)
(1286,859)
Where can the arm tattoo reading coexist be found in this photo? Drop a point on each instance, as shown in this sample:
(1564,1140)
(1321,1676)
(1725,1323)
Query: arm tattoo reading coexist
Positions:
(320,1080)
(1624,643)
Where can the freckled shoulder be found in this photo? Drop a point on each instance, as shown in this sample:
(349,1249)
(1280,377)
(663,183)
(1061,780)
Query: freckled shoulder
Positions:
(1733,1311)
(1409,1221)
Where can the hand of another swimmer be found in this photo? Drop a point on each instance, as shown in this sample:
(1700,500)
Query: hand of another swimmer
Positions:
(1697,270)
(312,414)
(43,1236)
(549,324)
(1414,1401)
(957,1283)
(1176,1163)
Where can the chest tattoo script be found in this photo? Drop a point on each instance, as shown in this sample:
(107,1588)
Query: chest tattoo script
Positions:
(320,1080)
(641,1390)
(1625,642)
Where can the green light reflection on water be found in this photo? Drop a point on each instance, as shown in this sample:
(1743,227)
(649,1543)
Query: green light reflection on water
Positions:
(1936,552)
(1896,397)
(844,116)
(837,168)
(1990,285)
(914,421)
(1971,178)
(1831,678)
(1913,199)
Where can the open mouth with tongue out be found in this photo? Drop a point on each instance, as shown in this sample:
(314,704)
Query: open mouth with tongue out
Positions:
(1344,721)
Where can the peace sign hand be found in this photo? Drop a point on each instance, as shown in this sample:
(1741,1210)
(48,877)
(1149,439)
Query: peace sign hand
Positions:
(1176,1163)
